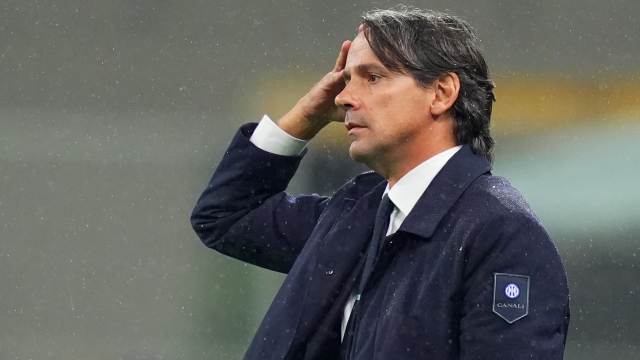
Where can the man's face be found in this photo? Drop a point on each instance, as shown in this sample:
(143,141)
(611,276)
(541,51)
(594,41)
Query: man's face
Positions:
(387,113)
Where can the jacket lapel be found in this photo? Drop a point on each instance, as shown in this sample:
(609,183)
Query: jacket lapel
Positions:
(445,189)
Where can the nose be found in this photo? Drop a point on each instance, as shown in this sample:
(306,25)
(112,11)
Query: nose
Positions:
(346,99)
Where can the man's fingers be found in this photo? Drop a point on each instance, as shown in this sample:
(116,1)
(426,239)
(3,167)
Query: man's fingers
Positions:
(336,76)
(342,58)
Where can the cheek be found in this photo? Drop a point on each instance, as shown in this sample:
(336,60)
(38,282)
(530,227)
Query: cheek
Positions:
(382,113)
(394,117)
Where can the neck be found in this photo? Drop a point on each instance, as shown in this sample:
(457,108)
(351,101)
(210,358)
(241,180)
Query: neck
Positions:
(393,168)
(394,173)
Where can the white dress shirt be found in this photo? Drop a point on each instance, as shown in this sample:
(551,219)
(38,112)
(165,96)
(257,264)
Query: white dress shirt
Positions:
(269,137)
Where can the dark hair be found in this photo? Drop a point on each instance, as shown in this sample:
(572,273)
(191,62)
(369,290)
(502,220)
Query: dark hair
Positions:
(426,45)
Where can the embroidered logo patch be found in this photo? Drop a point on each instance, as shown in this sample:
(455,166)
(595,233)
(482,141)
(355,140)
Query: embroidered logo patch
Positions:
(512,291)
(511,296)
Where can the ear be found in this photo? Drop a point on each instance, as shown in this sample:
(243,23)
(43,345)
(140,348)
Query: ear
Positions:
(447,88)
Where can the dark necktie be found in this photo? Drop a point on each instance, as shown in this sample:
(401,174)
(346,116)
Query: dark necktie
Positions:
(379,233)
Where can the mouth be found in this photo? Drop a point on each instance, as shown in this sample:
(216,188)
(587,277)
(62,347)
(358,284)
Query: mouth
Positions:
(350,125)
(353,123)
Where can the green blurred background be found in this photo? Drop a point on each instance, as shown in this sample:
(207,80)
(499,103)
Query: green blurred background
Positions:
(113,115)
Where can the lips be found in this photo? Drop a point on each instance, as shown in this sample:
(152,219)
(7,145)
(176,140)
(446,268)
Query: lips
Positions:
(352,122)
(352,125)
(353,128)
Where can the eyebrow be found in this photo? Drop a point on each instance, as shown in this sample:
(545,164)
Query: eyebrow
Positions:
(364,69)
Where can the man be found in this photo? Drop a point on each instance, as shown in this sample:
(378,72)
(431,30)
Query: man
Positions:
(465,270)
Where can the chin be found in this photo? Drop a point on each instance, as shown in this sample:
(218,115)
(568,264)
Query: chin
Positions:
(358,155)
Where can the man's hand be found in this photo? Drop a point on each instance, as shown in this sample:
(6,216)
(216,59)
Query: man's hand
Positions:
(317,108)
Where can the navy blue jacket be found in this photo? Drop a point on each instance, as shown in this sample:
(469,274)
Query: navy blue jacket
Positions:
(438,288)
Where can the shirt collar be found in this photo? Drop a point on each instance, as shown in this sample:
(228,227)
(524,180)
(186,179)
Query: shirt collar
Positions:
(415,182)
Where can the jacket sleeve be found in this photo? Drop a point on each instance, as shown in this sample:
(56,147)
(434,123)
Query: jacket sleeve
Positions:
(515,246)
(245,213)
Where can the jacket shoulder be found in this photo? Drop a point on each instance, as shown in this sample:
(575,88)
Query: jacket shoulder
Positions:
(498,195)
(360,185)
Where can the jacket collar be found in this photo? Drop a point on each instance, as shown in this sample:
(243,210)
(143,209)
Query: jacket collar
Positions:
(445,189)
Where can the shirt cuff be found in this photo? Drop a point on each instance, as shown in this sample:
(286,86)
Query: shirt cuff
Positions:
(271,138)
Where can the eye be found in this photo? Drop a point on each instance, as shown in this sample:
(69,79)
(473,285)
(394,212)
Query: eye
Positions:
(374,78)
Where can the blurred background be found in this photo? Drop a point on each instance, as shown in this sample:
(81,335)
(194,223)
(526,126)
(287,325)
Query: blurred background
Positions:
(114,114)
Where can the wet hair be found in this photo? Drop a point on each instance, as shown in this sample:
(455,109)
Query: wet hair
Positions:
(427,44)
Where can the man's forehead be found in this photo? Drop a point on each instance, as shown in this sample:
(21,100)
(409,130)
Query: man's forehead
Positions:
(360,51)
(359,43)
